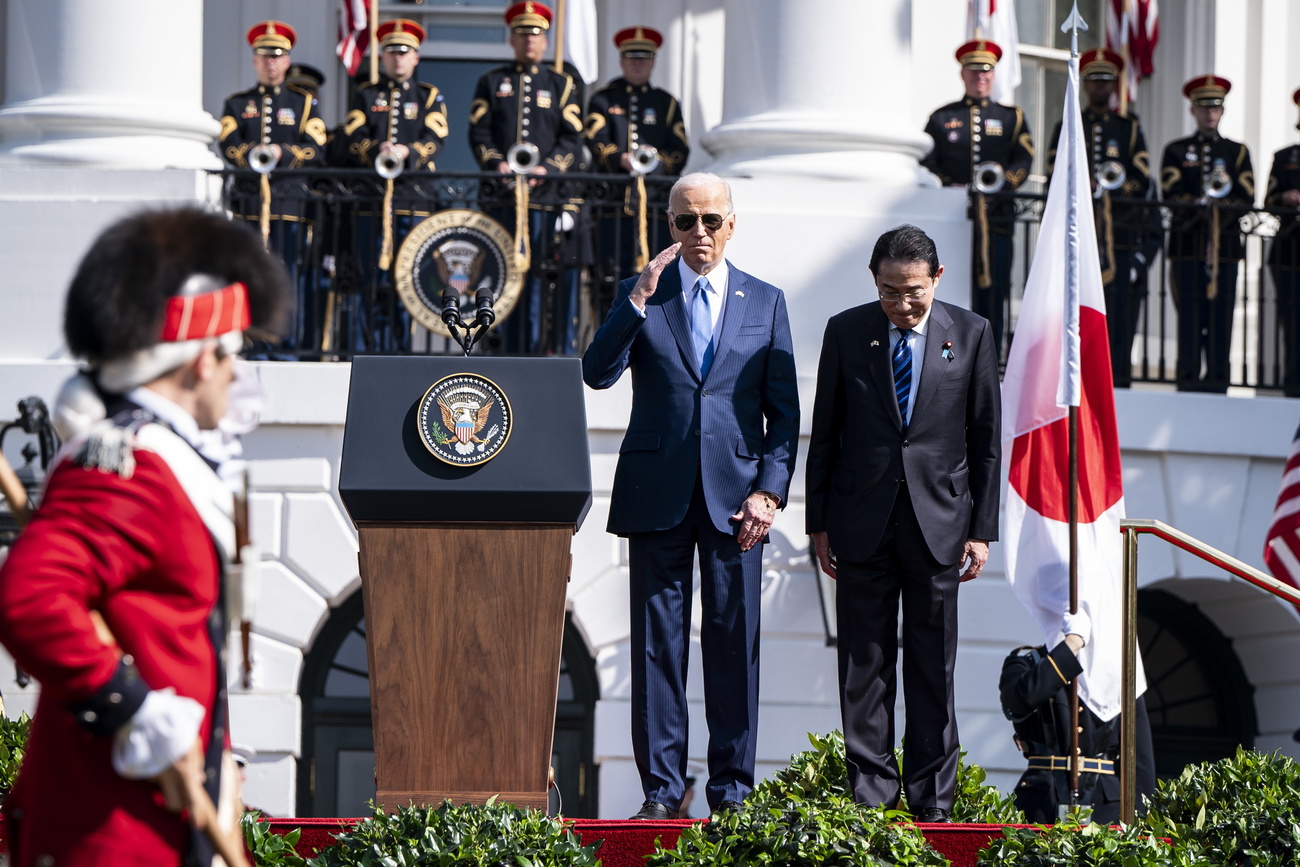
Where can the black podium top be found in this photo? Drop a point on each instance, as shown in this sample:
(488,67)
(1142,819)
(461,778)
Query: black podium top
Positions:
(540,474)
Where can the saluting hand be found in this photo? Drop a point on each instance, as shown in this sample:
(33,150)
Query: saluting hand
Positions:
(649,280)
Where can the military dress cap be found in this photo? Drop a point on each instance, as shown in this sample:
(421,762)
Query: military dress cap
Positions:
(638,41)
(1207,90)
(529,17)
(979,54)
(272,38)
(1100,64)
(401,35)
(305,76)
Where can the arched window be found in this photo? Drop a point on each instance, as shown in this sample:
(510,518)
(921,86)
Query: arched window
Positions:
(337,773)
(1198,698)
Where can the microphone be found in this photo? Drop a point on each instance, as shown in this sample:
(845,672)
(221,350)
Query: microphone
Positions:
(483,302)
(451,307)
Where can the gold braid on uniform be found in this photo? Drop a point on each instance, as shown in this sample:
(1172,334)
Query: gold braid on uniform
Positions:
(301,155)
(642,240)
(425,151)
(983,273)
(264,218)
(1212,255)
(361,149)
(238,155)
(1106,231)
(228,125)
(386,245)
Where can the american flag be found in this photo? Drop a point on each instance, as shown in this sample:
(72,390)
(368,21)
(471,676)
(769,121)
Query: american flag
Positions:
(354,34)
(1282,544)
(1133,29)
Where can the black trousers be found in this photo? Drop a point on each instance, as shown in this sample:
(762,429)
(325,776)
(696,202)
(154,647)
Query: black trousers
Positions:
(867,600)
(1204,324)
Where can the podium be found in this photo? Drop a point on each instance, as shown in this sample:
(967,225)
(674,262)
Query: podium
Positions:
(464,567)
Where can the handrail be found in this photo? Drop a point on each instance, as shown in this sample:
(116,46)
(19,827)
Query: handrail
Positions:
(1132,528)
(1214,556)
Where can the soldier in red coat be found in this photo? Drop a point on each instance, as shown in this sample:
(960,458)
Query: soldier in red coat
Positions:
(110,597)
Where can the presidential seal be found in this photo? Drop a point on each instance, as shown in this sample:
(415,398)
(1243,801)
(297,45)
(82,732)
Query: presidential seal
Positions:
(462,250)
(464,419)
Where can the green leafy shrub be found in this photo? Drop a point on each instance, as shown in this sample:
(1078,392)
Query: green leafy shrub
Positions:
(491,835)
(792,831)
(1243,810)
(804,815)
(1086,846)
(13,746)
(821,771)
(269,848)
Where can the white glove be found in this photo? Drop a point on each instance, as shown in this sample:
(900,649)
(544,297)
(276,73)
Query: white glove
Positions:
(1077,624)
(160,733)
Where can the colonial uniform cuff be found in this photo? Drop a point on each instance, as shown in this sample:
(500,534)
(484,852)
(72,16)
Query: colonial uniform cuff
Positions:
(116,701)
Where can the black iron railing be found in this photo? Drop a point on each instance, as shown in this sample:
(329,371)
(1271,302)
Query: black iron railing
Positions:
(328,226)
(1166,249)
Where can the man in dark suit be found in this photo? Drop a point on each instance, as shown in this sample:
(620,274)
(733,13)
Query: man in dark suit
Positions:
(704,466)
(902,491)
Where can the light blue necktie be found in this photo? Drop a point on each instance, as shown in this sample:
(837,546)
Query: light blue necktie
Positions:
(702,326)
(903,372)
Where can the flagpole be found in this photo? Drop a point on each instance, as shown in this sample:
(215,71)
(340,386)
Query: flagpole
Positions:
(1073,24)
(559,36)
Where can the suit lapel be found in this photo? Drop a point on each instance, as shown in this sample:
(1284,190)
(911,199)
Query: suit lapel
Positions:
(674,306)
(933,366)
(733,313)
(876,348)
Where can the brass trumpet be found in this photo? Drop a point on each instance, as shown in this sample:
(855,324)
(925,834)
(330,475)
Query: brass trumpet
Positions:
(388,165)
(645,159)
(261,159)
(1218,184)
(1111,175)
(523,157)
(988,178)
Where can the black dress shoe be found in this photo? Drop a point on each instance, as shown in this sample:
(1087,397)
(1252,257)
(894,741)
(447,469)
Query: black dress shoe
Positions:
(933,816)
(655,811)
(725,807)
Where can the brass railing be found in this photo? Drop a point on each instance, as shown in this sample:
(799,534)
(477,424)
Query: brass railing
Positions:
(1131,529)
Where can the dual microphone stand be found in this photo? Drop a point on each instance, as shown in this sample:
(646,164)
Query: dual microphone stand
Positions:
(470,332)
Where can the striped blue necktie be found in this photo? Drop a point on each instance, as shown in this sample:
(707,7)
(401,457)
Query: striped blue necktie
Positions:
(702,326)
(903,371)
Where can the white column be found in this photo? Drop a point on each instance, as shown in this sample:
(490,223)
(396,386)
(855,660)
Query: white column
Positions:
(819,88)
(101,83)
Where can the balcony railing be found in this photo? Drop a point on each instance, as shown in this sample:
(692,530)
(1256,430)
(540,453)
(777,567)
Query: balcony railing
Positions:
(328,226)
(1264,318)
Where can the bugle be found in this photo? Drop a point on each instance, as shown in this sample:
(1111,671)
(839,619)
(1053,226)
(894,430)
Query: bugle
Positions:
(988,178)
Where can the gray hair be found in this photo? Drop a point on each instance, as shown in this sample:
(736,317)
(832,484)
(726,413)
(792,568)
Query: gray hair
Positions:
(698,180)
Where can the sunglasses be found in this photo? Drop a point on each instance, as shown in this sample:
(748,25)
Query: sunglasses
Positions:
(686,222)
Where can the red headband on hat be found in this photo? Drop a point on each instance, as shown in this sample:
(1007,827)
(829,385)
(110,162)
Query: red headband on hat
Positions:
(212,314)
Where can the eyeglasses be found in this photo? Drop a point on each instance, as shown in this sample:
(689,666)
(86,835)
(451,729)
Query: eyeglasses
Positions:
(910,297)
(686,222)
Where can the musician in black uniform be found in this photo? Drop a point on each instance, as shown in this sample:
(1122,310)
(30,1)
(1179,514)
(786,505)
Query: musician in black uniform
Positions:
(276,122)
(627,116)
(1034,689)
(528,102)
(1284,256)
(976,131)
(1205,244)
(1116,144)
(402,119)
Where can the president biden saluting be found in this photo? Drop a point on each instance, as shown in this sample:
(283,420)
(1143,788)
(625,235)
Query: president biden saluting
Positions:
(902,491)
(704,466)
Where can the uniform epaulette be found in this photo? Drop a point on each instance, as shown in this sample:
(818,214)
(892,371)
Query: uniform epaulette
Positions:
(110,445)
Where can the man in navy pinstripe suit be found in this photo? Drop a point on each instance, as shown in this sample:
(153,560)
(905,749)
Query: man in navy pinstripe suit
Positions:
(704,466)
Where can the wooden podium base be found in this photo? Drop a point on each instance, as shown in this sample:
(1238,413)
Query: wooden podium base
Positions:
(464,625)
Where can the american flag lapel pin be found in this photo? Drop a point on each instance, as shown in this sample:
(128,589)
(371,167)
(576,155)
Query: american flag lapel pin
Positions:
(875,343)
(740,294)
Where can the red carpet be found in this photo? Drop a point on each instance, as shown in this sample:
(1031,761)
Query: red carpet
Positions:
(625,844)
